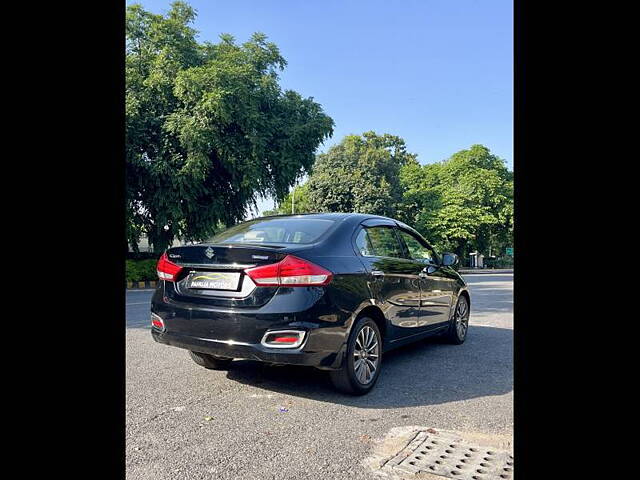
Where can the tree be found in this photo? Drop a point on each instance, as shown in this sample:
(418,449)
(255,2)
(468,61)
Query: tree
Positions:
(360,174)
(462,204)
(208,128)
(302,203)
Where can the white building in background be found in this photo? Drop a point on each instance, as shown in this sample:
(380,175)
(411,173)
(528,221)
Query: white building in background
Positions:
(476,260)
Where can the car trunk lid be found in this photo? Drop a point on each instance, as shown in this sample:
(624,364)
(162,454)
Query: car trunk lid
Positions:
(214,274)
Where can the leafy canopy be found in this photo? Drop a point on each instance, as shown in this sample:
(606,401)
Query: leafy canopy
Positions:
(298,198)
(208,128)
(360,174)
(462,204)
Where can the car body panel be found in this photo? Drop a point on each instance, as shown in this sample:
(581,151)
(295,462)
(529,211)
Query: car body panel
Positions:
(232,323)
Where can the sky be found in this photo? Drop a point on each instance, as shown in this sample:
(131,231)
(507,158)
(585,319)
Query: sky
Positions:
(439,74)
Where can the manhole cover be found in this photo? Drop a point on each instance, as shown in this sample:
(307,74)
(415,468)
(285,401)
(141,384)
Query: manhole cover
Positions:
(446,454)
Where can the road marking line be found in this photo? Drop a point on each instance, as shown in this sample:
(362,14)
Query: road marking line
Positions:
(139,303)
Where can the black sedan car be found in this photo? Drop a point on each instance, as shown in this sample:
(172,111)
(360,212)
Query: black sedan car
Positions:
(333,291)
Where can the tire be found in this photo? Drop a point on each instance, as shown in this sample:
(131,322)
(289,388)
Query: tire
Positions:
(459,323)
(358,382)
(210,361)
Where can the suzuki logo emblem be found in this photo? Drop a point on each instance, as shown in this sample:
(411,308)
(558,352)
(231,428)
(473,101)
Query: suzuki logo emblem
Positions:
(209,252)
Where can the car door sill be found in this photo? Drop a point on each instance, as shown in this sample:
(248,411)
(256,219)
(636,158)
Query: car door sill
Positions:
(427,333)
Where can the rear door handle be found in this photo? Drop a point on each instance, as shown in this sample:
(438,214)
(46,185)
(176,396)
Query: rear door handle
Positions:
(377,273)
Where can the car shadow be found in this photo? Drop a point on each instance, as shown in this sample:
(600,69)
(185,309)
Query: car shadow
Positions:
(428,372)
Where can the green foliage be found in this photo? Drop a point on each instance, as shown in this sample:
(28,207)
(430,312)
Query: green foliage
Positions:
(499,262)
(208,128)
(302,202)
(360,174)
(462,204)
(141,270)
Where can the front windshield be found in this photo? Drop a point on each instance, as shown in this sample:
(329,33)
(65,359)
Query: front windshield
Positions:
(278,230)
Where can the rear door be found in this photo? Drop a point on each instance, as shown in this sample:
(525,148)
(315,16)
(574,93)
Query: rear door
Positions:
(394,278)
(436,292)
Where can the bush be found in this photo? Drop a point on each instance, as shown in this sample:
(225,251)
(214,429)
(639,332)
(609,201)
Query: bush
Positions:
(505,262)
(499,262)
(141,270)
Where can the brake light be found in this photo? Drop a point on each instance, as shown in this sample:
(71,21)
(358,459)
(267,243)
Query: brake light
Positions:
(290,272)
(167,270)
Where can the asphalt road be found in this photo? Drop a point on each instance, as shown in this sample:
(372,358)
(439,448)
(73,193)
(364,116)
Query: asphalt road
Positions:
(186,422)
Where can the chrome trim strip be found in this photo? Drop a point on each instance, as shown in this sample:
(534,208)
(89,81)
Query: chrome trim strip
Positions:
(226,342)
(292,346)
(221,266)
(268,345)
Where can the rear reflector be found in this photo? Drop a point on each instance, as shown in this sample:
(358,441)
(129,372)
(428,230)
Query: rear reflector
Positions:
(290,272)
(157,321)
(167,270)
(283,339)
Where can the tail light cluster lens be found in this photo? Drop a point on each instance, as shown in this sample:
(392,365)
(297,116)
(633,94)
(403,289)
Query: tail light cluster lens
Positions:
(167,270)
(290,272)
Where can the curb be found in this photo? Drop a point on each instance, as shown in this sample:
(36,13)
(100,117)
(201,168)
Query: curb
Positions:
(486,271)
(140,285)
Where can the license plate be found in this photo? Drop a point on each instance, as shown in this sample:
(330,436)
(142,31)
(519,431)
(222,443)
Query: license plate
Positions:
(213,280)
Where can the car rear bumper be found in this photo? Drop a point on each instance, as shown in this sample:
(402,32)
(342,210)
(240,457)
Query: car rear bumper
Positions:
(226,348)
(237,332)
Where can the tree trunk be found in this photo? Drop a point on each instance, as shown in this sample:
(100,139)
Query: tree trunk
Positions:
(134,246)
(161,239)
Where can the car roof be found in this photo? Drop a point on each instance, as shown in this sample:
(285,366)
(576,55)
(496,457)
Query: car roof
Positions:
(340,216)
(327,215)
(354,217)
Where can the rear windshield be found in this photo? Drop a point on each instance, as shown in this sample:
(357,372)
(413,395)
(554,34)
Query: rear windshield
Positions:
(285,230)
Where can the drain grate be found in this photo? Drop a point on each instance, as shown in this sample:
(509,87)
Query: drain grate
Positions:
(447,455)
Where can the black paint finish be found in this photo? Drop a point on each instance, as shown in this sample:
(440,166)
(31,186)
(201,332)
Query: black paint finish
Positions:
(407,299)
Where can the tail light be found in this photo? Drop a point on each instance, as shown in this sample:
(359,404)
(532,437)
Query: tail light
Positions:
(289,272)
(167,270)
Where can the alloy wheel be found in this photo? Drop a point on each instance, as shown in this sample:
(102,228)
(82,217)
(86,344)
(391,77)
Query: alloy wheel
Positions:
(366,355)
(462,318)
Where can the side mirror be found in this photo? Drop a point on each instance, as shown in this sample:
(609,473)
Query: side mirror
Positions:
(428,270)
(449,259)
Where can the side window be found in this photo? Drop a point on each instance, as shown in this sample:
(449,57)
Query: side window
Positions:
(383,242)
(417,251)
(363,244)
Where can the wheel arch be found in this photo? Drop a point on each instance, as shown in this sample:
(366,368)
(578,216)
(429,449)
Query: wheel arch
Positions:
(374,313)
(465,293)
